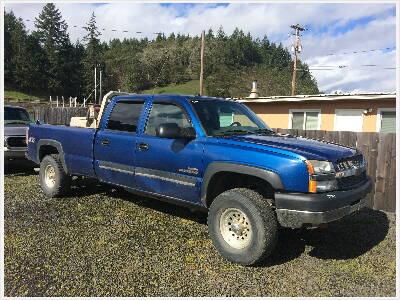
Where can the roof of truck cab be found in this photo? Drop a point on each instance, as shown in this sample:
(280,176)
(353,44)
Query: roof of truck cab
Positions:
(188,97)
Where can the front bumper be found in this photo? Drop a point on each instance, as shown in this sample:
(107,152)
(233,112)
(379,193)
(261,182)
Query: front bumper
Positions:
(14,153)
(296,210)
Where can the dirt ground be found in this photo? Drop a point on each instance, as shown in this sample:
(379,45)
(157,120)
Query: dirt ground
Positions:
(101,241)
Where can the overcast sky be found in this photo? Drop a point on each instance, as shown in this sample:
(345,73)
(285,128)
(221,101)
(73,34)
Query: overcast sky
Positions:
(334,28)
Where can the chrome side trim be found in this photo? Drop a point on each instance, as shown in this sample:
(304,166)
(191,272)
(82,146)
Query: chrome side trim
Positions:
(117,167)
(166,176)
(149,173)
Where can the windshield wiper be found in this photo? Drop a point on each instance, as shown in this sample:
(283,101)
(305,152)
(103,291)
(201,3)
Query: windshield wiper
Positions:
(264,130)
(233,131)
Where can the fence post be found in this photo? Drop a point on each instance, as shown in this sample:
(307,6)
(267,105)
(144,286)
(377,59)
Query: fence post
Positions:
(57,101)
(62,97)
(75,101)
(50,101)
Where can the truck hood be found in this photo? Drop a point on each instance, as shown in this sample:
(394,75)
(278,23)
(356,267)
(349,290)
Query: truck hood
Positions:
(310,149)
(15,129)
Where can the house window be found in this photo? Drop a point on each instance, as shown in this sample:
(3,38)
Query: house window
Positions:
(348,120)
(386,120)
(304,119)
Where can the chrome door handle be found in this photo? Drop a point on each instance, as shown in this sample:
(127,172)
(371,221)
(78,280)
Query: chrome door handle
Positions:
(105,142)
(143,147)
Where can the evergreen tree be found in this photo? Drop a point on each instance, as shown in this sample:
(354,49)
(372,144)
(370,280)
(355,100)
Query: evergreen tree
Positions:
(93,55)
(9,22)
(46,60)
(23,57)
(51,31)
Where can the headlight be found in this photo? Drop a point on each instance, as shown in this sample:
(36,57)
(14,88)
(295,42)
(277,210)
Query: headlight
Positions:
(320,176)
(320,166)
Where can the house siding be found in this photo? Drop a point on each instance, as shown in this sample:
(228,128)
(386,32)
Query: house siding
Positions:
(276,114)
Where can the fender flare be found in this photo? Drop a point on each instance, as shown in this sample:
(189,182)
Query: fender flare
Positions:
(271,177)
(55,144)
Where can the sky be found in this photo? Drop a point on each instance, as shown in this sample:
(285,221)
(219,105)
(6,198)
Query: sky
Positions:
(334,32)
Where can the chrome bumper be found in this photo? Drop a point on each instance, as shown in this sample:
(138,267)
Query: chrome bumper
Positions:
(297,219)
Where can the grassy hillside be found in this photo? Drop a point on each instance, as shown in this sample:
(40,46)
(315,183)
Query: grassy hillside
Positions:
(20,95)
(188,88)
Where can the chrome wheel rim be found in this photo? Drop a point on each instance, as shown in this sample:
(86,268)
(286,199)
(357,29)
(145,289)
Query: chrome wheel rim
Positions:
(235,228)
(49,176)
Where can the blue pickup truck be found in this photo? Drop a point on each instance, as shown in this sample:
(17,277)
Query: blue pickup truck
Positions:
(208,154)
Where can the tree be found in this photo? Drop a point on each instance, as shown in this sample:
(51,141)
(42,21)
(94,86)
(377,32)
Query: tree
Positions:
(23,56)
(93,54)
(51,31)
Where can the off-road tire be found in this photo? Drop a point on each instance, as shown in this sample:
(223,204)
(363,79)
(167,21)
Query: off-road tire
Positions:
(263,225)
(62,181)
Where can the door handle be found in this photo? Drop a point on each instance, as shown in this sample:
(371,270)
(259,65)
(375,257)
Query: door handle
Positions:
(143,147)
(105,142)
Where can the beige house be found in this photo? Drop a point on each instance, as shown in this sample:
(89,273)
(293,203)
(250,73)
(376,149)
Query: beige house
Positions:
(337,112)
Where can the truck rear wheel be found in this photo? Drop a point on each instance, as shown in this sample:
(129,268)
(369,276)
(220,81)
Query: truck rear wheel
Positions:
(53,179)
(242,226)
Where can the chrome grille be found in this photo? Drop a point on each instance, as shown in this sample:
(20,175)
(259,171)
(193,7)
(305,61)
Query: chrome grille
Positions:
(353,162)
(16,141)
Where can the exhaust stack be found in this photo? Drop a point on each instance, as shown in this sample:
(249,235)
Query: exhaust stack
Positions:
(254,91)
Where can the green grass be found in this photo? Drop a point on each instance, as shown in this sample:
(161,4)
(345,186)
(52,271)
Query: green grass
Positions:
(20,95)
(188,88)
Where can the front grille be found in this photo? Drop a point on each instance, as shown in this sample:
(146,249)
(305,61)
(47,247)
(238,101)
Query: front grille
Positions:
(16,141)
(352,170)
(351,181)
(350,163)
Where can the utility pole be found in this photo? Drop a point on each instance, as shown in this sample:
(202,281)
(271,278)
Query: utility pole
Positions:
(100,94)
(95,85)
(296,48)
(202,62)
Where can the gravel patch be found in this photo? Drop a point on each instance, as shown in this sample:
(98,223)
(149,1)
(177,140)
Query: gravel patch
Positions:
(102,241)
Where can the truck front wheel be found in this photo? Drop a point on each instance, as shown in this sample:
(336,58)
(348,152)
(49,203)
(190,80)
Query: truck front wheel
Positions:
(53,179)
(242,226)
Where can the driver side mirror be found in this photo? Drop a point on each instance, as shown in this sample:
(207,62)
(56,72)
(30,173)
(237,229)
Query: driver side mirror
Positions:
(173,131)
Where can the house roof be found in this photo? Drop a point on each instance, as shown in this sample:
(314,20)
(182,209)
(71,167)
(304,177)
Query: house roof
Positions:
(320,97)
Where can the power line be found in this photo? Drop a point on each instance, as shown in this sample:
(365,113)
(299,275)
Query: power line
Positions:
(113,30)
(271,50)
(343,68)
(360,51)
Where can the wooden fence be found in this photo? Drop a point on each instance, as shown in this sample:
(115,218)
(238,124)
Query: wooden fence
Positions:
(379,150)
(58,115)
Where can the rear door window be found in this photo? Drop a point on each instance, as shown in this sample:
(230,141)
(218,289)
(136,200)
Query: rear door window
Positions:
(125,116)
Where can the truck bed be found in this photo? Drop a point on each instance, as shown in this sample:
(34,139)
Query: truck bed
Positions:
(77,145)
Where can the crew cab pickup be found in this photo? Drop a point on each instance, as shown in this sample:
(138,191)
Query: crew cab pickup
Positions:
(208,154)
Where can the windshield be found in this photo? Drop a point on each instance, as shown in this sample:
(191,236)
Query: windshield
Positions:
(222,117)
(15,115)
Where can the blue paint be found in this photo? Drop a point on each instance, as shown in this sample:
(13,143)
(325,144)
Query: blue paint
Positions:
(179,161)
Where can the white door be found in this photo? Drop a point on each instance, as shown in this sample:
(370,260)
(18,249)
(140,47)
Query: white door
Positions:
(348,120)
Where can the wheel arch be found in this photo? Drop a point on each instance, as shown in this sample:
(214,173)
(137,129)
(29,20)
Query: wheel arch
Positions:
(217,169)
(48,146)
